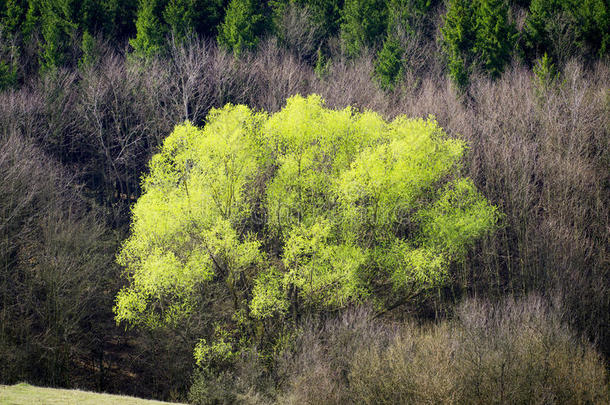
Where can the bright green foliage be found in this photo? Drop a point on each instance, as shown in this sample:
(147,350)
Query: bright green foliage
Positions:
(477,35)
(353,207)
(388,65)
(186,226)
(242,26)
(363,24)
(150,37)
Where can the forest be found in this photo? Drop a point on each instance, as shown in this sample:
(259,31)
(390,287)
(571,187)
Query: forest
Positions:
(307,201)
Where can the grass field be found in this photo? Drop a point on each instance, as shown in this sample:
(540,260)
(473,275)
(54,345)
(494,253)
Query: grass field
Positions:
(25,394)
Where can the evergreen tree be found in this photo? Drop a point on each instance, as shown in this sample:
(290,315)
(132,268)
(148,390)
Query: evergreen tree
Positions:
(406,16)
(150,37)
(459,39)
(496,36)
(388,65)
(477,35)
(242,26)
(13,14)
(57,28)
(363,24)
(180,16)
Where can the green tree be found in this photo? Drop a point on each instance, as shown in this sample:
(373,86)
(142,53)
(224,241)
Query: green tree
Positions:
(477,36)
(150,37)
(363,24)
(407,16)
(57,25)
(407,20)
(12,16)
(388,65)
(308,209)
(458,39)
(564,28)
(496,37)
(186,17)
(242,26)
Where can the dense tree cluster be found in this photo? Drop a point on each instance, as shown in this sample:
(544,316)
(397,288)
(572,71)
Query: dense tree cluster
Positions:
(477,36)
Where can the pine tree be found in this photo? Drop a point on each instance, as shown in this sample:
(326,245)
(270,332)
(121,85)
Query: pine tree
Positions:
(242,26)
(12,16)
(57,28)
(459,39)
(150,37)
(496,36)
(363,24)
(388,65)
(180,16)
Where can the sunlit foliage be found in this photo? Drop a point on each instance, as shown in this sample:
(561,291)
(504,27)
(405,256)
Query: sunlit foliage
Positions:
(308,208)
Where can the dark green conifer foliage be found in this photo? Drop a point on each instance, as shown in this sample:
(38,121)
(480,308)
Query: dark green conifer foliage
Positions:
(150,37)
(496,36)
(122,14)
(57,28)
(363,24)
(326,13)
(242,26)
(562,28)
(406,16)
(8,74)
(388,65)
(458,39)
(180,16)
(90,54)
(187,17)
(12,16)
(477,35)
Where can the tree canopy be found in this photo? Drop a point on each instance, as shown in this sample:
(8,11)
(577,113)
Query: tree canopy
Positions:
(309,207)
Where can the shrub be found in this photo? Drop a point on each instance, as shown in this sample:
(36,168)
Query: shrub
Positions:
(511,352)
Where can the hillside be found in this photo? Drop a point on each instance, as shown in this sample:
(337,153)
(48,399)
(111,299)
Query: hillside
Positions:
(25,394)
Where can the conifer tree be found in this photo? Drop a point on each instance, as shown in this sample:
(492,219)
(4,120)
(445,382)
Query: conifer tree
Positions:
(363,24)
(242,26)
(150,37)
(496,36)
(388,65)
(12,16)
(458,39)
(57,28)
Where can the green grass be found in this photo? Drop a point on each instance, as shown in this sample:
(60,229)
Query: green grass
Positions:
(25,394)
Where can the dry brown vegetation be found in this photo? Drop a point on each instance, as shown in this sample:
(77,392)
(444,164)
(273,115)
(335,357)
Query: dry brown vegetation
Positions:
(505,353)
